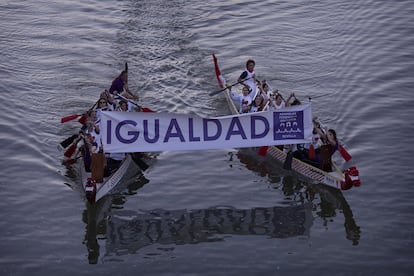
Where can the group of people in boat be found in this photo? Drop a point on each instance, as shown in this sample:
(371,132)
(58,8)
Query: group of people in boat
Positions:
(88,142)
(257,96)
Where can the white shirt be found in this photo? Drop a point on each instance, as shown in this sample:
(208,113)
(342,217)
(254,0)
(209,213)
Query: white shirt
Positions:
(243,101)
(282,105)
(249,80)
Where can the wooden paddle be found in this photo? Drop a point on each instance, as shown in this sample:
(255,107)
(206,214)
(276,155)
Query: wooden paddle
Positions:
(65,143)
(221,90)
(74,116)
(144,109)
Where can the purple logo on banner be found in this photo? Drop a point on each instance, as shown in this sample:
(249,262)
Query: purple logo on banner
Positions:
(288,125)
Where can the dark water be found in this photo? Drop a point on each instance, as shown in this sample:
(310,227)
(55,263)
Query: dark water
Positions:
(223,212)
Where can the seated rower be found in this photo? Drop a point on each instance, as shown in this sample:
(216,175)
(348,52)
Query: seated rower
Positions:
(89,147)
(259,104)
(120,86)
(124,106)
(323,155)
(244,101)
(327,150)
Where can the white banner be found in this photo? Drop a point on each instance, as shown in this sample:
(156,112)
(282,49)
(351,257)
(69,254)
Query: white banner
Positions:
(152,132)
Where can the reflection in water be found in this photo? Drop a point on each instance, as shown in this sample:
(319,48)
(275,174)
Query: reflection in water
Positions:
(96,215)
(295,187)
(126,232)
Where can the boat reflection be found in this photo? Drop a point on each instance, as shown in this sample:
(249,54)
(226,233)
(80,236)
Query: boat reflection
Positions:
(326,201)
(112,232)
(96,216)
(128,232)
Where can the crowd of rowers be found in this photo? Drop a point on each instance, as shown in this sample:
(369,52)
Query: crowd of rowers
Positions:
(88,141)
(257,96)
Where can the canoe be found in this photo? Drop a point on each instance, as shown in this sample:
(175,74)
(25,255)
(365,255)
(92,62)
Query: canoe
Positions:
(95,183)
(338,179)
(94,190)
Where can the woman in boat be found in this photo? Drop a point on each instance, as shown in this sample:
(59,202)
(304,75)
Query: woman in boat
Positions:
(124,106)
(248,76)
(120,86)
(103,105)
(322,156)
(94,131)
(109,98)
(258,104)
(328,149)
(264,89)
(308,152)
(87,149)
(244,101)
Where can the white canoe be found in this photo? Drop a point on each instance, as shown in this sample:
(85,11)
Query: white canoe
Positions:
(94,191)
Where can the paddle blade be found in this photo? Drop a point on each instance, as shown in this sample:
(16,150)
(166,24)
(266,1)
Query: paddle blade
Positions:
(218,73)
(146,109)
(82,119)
(68,141)
(71,150)
(68,118)
(262,150)
(344,153)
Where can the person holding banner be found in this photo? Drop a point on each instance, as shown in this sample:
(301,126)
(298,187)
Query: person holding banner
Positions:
(259,104)
(123,106)
(244,101)
(264,89)
(108,97)
(321,156)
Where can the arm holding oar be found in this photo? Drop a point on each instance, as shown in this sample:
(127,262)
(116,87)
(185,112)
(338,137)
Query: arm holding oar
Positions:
(143,109)
(227,86)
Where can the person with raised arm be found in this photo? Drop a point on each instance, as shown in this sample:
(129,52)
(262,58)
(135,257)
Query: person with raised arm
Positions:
(243,101)
(248,76)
